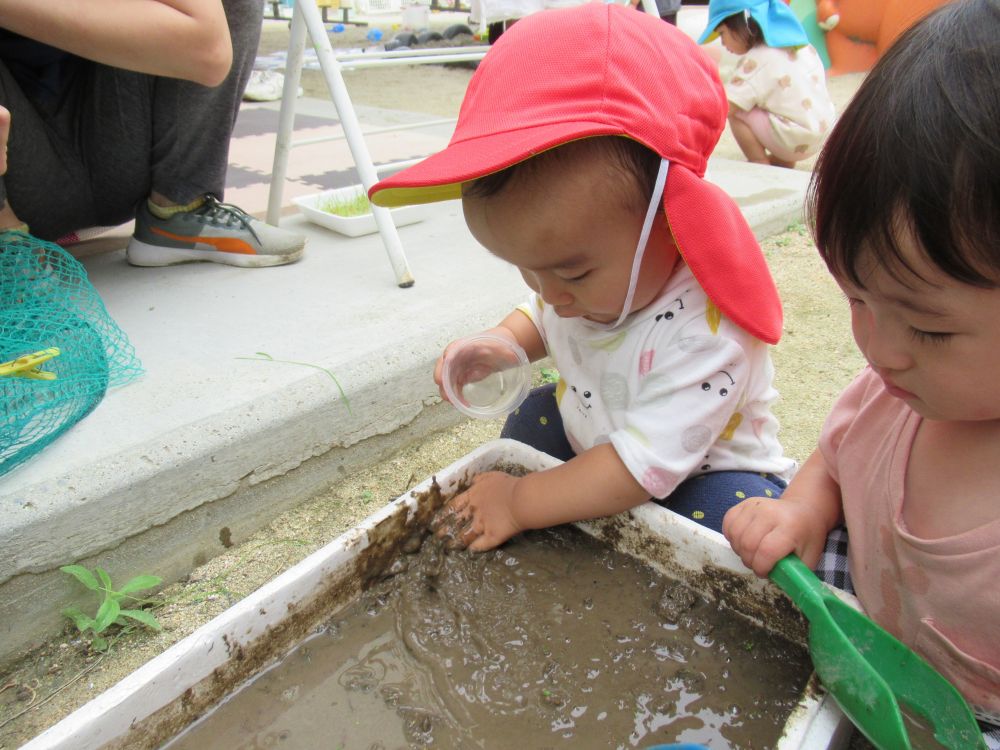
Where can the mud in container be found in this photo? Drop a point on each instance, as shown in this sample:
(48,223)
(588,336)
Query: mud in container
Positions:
(628,631)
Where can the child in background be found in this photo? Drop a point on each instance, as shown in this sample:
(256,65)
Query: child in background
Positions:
(579,155)
(906,207)
(779,108)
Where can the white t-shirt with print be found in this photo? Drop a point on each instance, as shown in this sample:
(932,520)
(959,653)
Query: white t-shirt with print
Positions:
(789,83)
(677,389)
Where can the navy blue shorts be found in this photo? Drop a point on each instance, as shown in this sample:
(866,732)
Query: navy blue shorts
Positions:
(704,498)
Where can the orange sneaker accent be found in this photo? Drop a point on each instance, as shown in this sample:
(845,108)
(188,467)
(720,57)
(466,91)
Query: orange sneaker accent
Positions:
(222,244)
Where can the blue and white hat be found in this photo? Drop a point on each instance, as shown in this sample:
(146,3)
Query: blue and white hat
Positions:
(779,24)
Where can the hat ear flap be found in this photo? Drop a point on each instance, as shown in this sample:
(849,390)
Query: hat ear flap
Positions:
(780,26)
(720,249)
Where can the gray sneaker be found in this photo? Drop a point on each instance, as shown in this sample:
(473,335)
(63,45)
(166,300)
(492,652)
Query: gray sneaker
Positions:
(214,232)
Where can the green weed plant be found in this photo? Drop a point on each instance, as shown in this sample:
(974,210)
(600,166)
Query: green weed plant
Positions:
(110,612)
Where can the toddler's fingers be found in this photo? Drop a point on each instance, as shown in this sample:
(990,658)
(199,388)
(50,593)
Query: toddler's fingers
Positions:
(458,533)
(449,516)
(773,547)
(472,532)
(486,476)
(483,543)
(752,528)
(812,550)
(731,522)
(439,380)
(737,520)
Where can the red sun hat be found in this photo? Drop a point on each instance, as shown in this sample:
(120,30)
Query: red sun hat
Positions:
(600,69)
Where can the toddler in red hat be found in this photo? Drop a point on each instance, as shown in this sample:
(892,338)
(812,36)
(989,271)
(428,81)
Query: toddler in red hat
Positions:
(579,157)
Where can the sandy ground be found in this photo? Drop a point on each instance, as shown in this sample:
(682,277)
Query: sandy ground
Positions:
(814,360)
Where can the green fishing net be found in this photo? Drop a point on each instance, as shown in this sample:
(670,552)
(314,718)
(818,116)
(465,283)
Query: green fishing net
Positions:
(47,304)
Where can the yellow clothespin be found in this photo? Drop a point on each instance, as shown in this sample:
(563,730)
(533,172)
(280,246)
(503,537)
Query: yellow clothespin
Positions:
(28,366)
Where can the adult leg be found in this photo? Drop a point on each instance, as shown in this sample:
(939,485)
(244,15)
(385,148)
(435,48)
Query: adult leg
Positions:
(179,128)
(120,135)
(184,219)
(48,182)
(192,124)
(537,423)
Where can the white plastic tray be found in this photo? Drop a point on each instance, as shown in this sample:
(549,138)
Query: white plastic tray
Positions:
(132,713)
(353,226)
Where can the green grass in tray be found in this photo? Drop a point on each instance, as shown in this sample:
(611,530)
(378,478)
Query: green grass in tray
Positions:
(353,205)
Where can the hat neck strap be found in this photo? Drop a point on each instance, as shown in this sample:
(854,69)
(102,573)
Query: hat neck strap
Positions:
(640,250)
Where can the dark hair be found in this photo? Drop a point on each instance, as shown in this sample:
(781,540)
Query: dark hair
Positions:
(745,28)
(632,169)
(918,151)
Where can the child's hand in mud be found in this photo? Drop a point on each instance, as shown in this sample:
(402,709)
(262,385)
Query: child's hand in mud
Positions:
(482,517)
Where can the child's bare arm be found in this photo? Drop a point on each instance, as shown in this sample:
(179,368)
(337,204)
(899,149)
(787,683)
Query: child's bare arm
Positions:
(186,39)
(498,506)
(763,530)
(525,333)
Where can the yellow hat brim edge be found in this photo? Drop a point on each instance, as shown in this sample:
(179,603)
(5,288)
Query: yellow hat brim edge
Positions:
(409,196)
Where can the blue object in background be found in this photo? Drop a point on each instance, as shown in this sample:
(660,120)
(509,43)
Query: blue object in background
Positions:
(375,35)
(337,28)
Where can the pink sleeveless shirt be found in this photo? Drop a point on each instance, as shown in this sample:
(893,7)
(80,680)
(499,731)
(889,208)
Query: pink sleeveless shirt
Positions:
(939,596)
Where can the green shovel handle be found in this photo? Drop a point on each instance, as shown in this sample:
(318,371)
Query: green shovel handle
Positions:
(801,584)
(868,670)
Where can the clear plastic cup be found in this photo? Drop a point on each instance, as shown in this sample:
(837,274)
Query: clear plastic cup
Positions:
(486,376)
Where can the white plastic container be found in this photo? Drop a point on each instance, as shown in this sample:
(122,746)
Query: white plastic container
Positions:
(353,226)
(161,698)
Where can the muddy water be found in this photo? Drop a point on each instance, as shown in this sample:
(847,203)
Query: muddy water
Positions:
(555,640)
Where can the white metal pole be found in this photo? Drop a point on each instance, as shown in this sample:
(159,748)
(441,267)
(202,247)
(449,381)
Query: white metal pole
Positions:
(355,138)
(286,116)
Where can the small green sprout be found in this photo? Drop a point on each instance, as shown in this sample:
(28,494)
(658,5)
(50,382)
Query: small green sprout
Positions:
(110,611)
(265,357)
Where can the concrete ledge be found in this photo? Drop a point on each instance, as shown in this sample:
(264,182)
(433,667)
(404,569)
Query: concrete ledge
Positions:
(214,436)
(192,536)
(770,198)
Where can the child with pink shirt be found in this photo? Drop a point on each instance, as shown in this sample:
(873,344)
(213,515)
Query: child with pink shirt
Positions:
(906,208)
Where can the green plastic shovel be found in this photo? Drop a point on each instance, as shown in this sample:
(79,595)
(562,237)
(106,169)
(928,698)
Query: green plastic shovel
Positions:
(870,672)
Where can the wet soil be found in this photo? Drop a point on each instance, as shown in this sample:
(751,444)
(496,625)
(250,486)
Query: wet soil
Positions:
(553,640)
